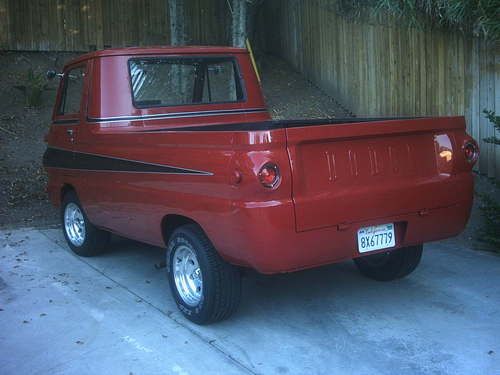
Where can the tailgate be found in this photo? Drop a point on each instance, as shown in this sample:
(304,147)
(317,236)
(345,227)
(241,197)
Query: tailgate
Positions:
(346,173)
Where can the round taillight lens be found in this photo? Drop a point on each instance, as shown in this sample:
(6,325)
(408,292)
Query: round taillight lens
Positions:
(269,175)
(471,152)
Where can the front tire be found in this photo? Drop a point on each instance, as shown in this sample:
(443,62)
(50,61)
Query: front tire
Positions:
(391,265)
(83,238)
(206,289)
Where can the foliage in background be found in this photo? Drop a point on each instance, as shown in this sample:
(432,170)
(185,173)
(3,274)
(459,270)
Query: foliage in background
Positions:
(32,85)
(495,120)
(476,17)
(490,209)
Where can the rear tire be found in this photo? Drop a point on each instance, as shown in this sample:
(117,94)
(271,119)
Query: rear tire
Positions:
(391,265)
(83,238)
(206,289)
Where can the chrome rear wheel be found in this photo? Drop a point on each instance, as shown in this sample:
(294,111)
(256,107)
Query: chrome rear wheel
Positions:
(187,275)
(206,288)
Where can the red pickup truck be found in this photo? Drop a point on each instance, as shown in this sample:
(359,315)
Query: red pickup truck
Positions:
(174,147)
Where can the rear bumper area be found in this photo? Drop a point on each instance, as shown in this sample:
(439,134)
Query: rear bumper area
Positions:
(263,236)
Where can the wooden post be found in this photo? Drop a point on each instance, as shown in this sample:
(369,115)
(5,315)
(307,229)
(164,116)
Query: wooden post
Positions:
(5,33)
(178,28)
(239,22)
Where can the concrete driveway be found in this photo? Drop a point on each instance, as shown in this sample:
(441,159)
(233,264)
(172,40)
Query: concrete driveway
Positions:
(113,314)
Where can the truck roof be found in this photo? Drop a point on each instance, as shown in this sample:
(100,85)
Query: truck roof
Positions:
(158,50)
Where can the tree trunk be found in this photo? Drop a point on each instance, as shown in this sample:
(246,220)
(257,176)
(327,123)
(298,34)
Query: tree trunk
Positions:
(178,37)
(239,23)
(177,22)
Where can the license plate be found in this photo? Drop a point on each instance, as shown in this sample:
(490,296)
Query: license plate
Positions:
(376,237)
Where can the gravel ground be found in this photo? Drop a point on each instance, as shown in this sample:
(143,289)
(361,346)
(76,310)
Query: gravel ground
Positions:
(290,96)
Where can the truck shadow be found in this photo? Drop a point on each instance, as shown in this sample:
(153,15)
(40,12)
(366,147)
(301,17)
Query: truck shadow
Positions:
(336,289)
(333,289)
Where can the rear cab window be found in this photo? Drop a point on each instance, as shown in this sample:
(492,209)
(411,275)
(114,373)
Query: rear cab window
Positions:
(177,81)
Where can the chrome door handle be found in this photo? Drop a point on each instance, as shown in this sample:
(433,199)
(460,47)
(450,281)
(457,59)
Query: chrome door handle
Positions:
(70,133)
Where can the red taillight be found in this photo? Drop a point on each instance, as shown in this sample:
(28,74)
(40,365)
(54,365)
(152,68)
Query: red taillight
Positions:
(269,175)
(471,152)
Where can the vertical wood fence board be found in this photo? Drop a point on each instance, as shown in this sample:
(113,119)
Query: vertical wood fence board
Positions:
(484,126)
(4,24)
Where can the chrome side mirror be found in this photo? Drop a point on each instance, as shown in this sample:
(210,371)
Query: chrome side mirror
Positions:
(51,74)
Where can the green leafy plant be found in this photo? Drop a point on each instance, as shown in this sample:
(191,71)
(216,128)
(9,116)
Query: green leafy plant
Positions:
(490,209)
(33,85)
(479,18)
(495,120)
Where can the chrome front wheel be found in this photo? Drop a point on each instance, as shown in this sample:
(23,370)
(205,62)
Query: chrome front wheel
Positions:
(187,275)
(82,237)
(74,224)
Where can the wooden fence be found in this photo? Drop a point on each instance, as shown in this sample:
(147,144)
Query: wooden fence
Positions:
(82,25)
(374,67)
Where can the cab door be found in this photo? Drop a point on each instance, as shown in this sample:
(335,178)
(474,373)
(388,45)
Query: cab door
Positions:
(59,159)
(68,113)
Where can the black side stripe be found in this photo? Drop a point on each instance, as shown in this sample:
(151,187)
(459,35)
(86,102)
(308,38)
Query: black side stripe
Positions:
(65,159)
(275,124)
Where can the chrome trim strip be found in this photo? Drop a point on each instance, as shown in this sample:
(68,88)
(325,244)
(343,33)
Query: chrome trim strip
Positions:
(174,115)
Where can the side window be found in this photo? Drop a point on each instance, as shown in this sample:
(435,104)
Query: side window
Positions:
(170,81)
(72,91)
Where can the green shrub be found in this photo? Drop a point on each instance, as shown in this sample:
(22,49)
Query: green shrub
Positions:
(32,86)
(495,120)
(491,208)
(479,18)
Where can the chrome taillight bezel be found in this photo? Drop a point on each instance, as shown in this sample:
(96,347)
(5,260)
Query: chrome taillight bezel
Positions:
(277,176)
(475,151)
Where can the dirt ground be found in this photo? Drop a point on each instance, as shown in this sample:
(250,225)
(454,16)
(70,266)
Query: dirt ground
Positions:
(23,200)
